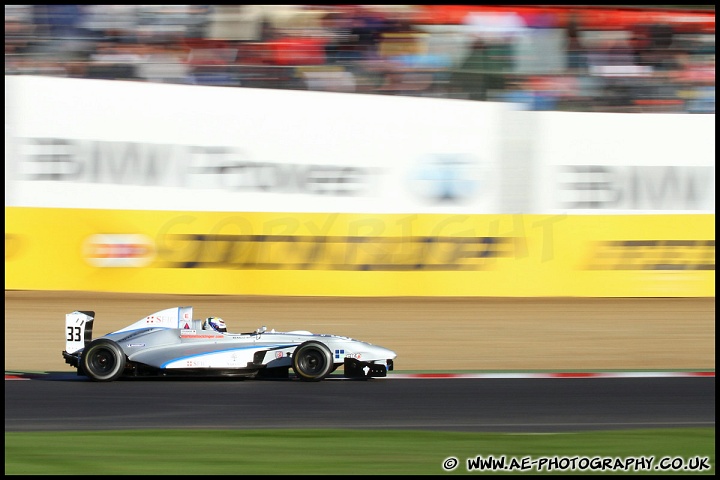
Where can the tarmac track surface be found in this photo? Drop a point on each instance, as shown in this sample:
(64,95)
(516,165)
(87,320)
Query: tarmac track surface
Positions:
(64,401)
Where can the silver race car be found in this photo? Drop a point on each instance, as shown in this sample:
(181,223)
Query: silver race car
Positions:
(170,342)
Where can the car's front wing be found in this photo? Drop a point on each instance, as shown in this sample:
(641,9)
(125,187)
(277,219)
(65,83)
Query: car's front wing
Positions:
(355,368)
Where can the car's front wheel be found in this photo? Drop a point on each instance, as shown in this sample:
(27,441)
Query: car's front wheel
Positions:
(103,360)
(312,361)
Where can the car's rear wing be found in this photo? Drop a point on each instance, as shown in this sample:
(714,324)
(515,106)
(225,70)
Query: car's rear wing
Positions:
(79,325)
(78,330)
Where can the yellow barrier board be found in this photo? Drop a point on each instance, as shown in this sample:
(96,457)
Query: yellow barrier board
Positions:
(318,254)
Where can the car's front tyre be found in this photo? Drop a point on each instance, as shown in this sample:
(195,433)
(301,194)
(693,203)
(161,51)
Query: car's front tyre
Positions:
(312,361)
(103,360)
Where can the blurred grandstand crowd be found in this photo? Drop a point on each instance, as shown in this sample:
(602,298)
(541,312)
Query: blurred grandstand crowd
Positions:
(568,58)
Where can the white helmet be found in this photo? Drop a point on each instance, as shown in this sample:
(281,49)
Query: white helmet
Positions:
(214,323)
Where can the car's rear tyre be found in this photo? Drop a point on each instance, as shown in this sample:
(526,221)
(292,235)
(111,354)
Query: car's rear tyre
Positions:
(312,361)
(103,360)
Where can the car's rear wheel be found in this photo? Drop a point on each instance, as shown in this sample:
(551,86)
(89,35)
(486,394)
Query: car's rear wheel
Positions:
(103,360)
(312,361)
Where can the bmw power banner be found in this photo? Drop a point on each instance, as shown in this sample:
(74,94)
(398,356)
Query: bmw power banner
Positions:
(144,146)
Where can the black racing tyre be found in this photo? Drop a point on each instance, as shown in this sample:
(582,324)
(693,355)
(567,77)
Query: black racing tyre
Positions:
(312,361)
(103,360)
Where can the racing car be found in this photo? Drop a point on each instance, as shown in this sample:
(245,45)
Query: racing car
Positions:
(171,343)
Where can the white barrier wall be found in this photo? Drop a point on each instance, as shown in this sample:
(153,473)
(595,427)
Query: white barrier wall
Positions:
(129,145)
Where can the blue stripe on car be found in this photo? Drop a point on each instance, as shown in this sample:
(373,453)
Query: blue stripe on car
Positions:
(254,347)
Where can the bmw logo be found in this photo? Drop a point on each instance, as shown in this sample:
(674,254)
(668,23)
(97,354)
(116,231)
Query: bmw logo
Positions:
(446,178)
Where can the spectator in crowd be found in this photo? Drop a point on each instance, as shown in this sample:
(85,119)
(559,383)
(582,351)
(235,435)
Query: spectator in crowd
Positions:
(576,55)
(470,77)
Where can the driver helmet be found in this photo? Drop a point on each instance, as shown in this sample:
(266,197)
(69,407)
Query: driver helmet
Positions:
(215,323)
